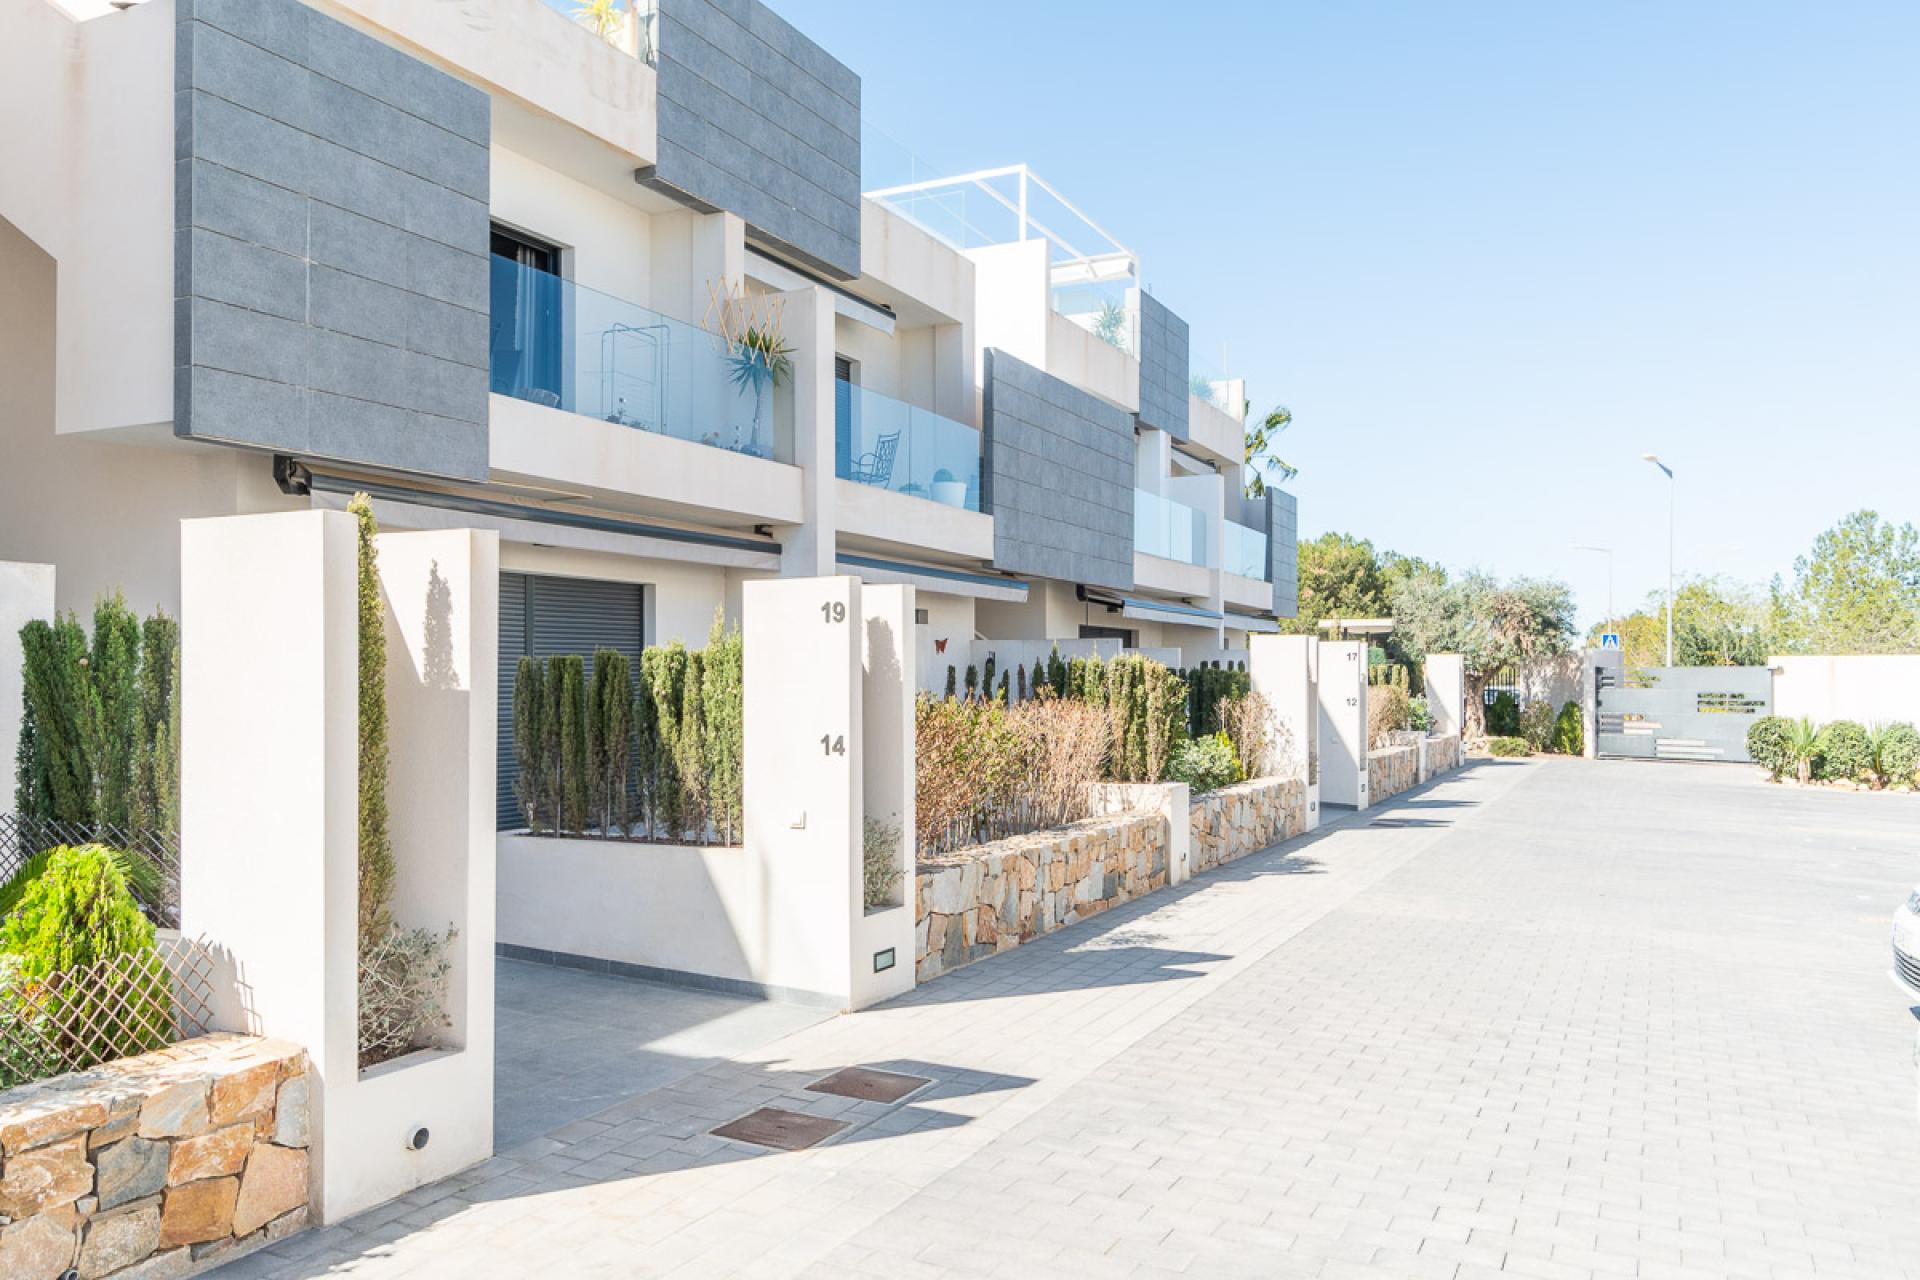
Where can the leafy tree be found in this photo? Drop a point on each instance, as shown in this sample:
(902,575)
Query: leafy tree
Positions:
(1717,622)
(1340,577)
(1489,623)
(1858,591)
(1259,456)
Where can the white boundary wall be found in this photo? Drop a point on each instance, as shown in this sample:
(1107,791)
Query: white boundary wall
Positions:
(1282,670)
(26,593)
(1446,692)
(269,818)
(1343,723)
(1870,688)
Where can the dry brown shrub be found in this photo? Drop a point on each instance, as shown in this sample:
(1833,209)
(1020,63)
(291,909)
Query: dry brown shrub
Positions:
(1388,711)
(1247,720)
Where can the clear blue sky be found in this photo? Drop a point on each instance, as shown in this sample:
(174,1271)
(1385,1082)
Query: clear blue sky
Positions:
(1491,253)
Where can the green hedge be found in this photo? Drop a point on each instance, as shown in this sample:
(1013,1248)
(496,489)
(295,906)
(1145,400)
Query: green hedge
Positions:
(1507,746)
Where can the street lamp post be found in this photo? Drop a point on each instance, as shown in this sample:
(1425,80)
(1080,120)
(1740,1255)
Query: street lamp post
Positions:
(1608,553)
(1655,460)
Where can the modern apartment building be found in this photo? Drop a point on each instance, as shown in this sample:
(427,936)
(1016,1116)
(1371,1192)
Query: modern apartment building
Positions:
(626,296)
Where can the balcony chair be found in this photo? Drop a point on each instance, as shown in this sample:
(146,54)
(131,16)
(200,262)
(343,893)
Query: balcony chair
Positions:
(876,468)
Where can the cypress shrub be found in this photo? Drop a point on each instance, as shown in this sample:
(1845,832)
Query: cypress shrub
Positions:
(646,743)
(951,676)
(376,845)
(722,673)
(1019,681)
(697,794)
(667,685)
(112,709)
(1569,734)
(1003,689)
(986,678)
(53,673)
(1056,671)
(610,738)
(156,783)
(973,681)
(531,743)
(566,674)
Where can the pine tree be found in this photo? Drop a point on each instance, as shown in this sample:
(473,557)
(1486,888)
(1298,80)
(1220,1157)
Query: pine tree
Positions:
(376,844)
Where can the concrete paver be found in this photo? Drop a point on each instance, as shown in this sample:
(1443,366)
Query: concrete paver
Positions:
(1550,1019)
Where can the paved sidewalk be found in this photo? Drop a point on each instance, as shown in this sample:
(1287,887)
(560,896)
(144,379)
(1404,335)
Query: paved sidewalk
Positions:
(1539,1019)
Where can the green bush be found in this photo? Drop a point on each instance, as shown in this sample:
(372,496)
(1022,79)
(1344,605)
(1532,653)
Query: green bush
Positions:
(1846,752)
(533,743)
(610,738)
(1503,715)
(1507,746)
(723,671)
(567,708)
(1205,763)
(1896,754)
(1419,714)
(1770,743)
(1536,725)
(57,779)
(1569,733)
(77,911)
(142,875)
(111,718)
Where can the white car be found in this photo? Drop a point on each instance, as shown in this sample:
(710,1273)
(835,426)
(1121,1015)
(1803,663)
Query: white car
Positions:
(1906,947)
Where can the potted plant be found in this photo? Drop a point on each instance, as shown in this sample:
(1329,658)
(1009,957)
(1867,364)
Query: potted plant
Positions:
(759,361)
(949,490)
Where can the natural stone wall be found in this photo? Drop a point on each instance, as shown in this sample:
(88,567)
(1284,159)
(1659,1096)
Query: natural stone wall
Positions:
(160,1166)
(1443,754)
(977,902)
(1236,821)
(1391,770)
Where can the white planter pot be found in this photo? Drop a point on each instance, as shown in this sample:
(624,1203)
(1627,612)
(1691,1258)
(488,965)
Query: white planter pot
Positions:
(952,492)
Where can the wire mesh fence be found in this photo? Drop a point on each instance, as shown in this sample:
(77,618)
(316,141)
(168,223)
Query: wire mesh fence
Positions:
(116,1007)
(22,839)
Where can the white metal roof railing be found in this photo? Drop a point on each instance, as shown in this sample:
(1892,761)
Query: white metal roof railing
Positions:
(1084,252)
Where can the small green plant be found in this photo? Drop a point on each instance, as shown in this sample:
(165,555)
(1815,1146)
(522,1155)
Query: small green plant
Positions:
(1770,743)
(1200,387)
(1803,747)
(1206,763)
(880,871)
(1503,716)
(1110,325)
(1846,752)
(1569,731)
(1508,747)
(1419,715)
(402,993)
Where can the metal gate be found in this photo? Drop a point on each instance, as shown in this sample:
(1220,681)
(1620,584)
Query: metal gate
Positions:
(1679,713)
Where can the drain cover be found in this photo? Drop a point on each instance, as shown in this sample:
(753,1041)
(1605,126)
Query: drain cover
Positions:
(779,1129)
(868,1085)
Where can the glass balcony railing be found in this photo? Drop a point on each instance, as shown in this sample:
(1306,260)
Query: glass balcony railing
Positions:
(890,445)
(1243,551)
(1104,308)
(630,26)
(559,344)
(1168,529)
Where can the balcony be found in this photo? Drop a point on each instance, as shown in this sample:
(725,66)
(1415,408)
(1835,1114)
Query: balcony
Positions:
(1170,530)
(1243,551)
(567,347)
(905,449)
(631,26)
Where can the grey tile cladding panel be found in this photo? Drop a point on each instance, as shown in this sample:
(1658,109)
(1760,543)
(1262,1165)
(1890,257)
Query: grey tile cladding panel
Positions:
(757,119)
(331,269)
(1163,368)
(1283,553)
(1059,477)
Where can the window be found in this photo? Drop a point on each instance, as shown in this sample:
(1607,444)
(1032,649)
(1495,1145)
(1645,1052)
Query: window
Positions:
(544,617)
(524,340)
(842,416)
(1124,636)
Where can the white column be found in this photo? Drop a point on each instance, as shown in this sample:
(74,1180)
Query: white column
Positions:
(803,775)
(1446,690)
(270,827)
(881,952)
(1343,723)
(26,593)
(807,549)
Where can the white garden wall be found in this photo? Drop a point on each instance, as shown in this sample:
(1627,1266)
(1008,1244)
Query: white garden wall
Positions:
(1870,688)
